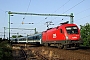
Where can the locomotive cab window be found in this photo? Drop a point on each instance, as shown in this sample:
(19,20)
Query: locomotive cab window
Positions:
(72,30)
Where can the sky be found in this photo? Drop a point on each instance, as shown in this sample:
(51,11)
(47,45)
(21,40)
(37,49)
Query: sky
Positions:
(79,8)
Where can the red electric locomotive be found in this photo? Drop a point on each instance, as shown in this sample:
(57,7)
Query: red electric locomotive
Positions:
(63,36)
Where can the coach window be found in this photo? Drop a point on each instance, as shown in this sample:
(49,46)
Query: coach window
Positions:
(33,37)
(61,31)
(36,37)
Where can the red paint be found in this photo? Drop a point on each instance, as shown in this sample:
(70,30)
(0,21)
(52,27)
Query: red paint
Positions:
(54,34)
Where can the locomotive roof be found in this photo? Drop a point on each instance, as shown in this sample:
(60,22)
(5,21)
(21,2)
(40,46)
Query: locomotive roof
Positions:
(65,22)
(68,25)
(62,25)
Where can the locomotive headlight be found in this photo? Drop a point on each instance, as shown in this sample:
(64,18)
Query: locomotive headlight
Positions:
(66,37)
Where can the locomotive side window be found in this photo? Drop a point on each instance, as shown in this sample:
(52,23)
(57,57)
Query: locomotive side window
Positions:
(61,31)
(72,30)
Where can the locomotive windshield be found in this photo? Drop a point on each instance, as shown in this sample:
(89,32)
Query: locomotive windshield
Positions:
(72,30)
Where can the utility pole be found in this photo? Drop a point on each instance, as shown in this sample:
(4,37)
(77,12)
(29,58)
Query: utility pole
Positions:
(9,26)
(35,31)
(9,23)
(71,18)
(4,32)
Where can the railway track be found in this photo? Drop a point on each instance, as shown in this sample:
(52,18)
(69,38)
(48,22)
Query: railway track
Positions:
(51,53)
(23,53)
(85,52)
(18,53)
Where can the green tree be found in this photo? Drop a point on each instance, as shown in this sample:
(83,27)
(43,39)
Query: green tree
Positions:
(20,36)
(15,36)
(85,34)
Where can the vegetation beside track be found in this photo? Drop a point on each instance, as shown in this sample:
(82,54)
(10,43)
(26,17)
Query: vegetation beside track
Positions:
(85,34)
(5,50)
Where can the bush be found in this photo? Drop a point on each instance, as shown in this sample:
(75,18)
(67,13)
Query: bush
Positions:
(85,34)
(5,51)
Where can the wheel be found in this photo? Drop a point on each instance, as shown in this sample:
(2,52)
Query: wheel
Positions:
(66,46)
(38,44)
(77,46)
(46,44)
(60,46)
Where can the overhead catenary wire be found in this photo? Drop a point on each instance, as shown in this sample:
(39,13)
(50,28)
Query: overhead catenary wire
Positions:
(73,6)
(82,11)
(62,6)
(57,10)
(27,9)
(26,12)
(84,17)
